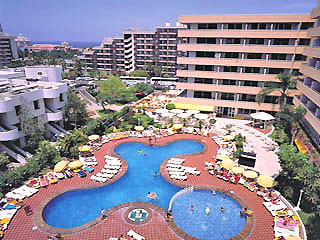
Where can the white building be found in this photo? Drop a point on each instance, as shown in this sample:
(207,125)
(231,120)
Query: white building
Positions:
(43,100)
(44,73)
(22,42)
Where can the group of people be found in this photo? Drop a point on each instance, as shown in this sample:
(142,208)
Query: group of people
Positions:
(152,195)
(207,210)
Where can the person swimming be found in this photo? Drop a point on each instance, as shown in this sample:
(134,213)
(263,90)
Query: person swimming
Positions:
(152,195)
(140,151)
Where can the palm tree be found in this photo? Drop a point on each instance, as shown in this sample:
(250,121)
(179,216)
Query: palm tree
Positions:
(286,82)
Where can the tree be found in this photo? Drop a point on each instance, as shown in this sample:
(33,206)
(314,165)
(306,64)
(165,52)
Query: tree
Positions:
(153,70)
(75,110)
(286,82)
(4,161)
(142,88)
(68,146)
(138,73)
(32,128)
(111,87)
(105,100)
(46,155)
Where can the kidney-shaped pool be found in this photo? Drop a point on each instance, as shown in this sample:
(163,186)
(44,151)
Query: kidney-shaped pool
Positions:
(78,207)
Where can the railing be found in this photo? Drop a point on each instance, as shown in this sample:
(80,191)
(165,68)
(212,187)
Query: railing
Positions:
(178,194)
(283,199)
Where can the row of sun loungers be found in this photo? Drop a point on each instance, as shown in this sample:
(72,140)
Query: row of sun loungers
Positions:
(110,169)
(177,171)
(89,161)
(131,233)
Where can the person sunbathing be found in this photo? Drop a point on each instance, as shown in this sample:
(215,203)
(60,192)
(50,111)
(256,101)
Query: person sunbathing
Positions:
(152,195)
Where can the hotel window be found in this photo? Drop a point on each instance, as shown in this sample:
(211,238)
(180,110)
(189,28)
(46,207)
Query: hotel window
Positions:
(230,68)
(282,26)
(228,82)
(300,57)
(234,26)
(202,94)
(231,55)
(207,26)
(281,41)
(205,54)
(275,70)
(248,97)
(256,41)
(254,56)
(258,26)
(18,109)
(203,80)
(204,68)
(252,70)
(233,41)
(304,42)
(306,25)
(278,56)
(250,83)
(207,40)
(227,96)
(36,105)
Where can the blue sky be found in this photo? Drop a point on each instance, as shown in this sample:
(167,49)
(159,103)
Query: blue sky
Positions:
(91,20)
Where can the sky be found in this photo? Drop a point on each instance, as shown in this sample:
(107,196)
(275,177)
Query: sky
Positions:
(92,20)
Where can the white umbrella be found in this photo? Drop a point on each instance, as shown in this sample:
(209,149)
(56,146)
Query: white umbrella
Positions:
(167,114)
(176,111)
(184,115)
(201,116)
(262,116)
(193,111)
(162,110)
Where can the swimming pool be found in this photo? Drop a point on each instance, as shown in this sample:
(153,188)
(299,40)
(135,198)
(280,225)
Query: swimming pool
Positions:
(215,226)
(78,207)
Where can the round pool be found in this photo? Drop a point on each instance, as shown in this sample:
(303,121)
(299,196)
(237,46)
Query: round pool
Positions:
(78,207)
(210,224)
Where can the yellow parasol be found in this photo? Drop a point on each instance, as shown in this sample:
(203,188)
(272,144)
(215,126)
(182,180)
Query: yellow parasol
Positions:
(114,129)
(60,166)
(75,164)
(84,148)
(250,174)
(177,126)
(227,164)
(93,137)
(222,157)
(237,170)
(229,138)
(139,128)
(265,181)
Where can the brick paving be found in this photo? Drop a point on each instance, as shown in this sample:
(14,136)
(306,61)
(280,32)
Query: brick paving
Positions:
(157,228)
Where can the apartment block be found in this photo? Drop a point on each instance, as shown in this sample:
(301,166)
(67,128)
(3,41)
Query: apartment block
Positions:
(8,48)
(228,59)
(309,86)
(135,50)
(43,100)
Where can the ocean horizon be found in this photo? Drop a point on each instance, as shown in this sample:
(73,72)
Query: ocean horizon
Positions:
(72,44)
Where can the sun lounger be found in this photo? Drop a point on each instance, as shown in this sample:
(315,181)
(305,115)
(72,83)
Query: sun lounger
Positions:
(173,162)
(8,213)
(178,177)
(110,171)
(25,190)
(175,170)
(173,166)
(177,173)
(98,179)
(112,167)
(91,163)
(194,172)
(110,157)
(135,235)
(88,169)
(177,159)
(60,175)
(272,208)
(81,174)
(189,168)
(15,196)
(52,178)
(43,181)
(105,175)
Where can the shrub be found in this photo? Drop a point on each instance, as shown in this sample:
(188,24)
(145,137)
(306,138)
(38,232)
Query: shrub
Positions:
(170,106)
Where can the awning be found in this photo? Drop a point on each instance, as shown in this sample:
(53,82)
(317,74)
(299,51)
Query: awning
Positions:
(301,146)
(190,106)
(262,116)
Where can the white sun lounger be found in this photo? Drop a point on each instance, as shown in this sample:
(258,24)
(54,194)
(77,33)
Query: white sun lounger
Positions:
(91,163)
(110,157)
(113,162)
(98,179)
(15,195)
(189,168)
(173,165)
(178,177)
(111,171)
(135,235)
(278,231)
(193,172)
(177,173)
(8,213)
(25,190)
(107,166)
(175,170)
(177,159)
(173,162)
(275,207)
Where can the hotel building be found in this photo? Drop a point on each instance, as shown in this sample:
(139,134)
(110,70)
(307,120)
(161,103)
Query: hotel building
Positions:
(229,59)
(309,86)
(8,48)
(42,97)
(135,50)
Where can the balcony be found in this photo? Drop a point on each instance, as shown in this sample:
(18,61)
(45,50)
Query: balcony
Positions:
(54,115)
(249,48)
(312,51)
(310,72)
(309,92)
(243,33)
(229,103)
(238,62)
(310,117)
(314,32)
(9,134)
(228,75)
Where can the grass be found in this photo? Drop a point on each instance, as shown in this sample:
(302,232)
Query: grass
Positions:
(305,216)
(104,114)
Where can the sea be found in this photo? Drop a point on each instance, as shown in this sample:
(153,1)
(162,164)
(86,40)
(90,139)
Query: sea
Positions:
(72,44)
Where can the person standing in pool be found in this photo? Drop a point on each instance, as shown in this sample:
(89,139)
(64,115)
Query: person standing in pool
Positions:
(221,209)
(207,211)
(155,174)
(191,208)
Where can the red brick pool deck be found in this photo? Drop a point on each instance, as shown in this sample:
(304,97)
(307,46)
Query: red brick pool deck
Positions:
(21,227)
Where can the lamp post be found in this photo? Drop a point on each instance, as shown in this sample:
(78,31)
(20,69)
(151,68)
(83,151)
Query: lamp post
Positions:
(297,208)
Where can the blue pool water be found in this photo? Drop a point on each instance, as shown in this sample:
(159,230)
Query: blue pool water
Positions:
(79,207)
(215,226)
